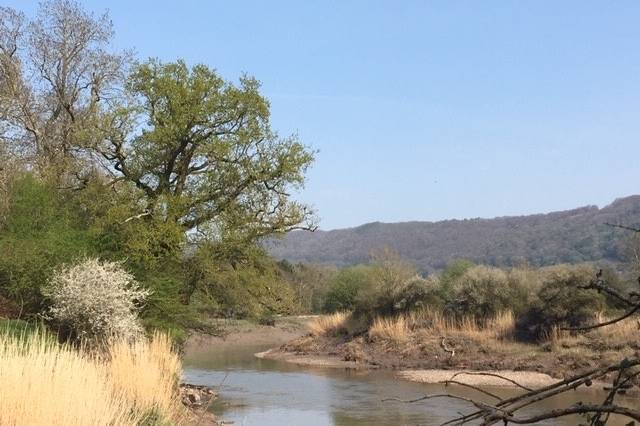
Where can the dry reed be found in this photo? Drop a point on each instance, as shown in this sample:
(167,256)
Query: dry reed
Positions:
(399,328)
(45,383)
(324,325)
(622,332)
(395,330)
(502,326)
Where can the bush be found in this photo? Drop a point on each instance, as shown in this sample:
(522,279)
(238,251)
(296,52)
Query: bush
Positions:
(96,300)
(41,231)
(345,286)
(245,283)
(387,286)
(485,291)
(560,302)
(394,287)
(451,274)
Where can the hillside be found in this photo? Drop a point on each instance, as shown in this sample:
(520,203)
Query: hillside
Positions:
(542,239)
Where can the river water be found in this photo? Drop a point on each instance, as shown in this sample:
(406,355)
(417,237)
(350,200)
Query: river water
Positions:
(266,392)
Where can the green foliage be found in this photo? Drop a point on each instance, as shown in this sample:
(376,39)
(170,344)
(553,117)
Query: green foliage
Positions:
(386,286)
(310,284)
(178,175)
(484,292)
(44,228)
(207,156)
(345,287)
(452,273)
(240,283)
(392,281)
(560,302)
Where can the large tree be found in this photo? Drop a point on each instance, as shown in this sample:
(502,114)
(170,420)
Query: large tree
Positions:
(203,155)
(56,76)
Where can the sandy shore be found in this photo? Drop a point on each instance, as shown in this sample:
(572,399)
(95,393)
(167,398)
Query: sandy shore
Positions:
(528,379)
(311,360)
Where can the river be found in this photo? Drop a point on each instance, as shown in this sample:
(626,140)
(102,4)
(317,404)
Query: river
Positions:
(266,392)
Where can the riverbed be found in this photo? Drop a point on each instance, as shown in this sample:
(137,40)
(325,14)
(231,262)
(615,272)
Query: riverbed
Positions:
(266,392)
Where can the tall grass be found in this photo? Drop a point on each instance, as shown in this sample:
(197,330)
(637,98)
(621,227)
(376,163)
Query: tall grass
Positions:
(324,325)
(395,330)
(501,326)
(622,332)
(398,329)
(45,383)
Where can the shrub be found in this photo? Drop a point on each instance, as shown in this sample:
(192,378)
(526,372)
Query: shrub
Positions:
(96,300)
(345,287)
(384,299)
(560,302)
(394,286)
(41,231)
(239,282)
(484,292)
(451,274)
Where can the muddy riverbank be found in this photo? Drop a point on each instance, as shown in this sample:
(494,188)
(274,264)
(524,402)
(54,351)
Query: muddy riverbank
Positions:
(268,391)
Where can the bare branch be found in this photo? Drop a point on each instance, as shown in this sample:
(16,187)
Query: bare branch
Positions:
(628,228)
(455,382)
(604,324)
(480,373)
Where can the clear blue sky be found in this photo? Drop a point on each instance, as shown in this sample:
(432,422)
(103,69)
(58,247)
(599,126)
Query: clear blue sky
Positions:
(427,110)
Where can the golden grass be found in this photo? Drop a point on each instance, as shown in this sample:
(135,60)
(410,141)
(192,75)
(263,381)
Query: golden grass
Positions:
(502,326)
(399,329)
(44,383)
(147,374)
(329,324)
(622,332)
(395,330)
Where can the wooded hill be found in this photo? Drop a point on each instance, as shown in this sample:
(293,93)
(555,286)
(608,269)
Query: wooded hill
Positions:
(570,236)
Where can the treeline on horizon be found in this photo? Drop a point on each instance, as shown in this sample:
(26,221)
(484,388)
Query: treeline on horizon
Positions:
(573,236)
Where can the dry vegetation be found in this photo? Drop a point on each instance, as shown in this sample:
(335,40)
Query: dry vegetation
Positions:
(415,340)
(45,383)
(326,325)
(395,330)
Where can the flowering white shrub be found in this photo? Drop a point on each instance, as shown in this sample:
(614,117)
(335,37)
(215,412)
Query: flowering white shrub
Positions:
(97,300)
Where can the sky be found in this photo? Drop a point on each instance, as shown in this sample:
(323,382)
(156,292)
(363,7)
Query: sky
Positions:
(425,110)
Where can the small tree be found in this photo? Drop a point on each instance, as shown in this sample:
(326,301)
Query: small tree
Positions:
(96,300)
(484,291)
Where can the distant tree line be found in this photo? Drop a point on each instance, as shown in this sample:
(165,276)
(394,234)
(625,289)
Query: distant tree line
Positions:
(573,236)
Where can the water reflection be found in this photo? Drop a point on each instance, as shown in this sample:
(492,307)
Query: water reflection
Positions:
(265,392)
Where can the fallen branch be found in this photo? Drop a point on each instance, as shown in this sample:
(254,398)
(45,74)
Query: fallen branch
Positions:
(576,409)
